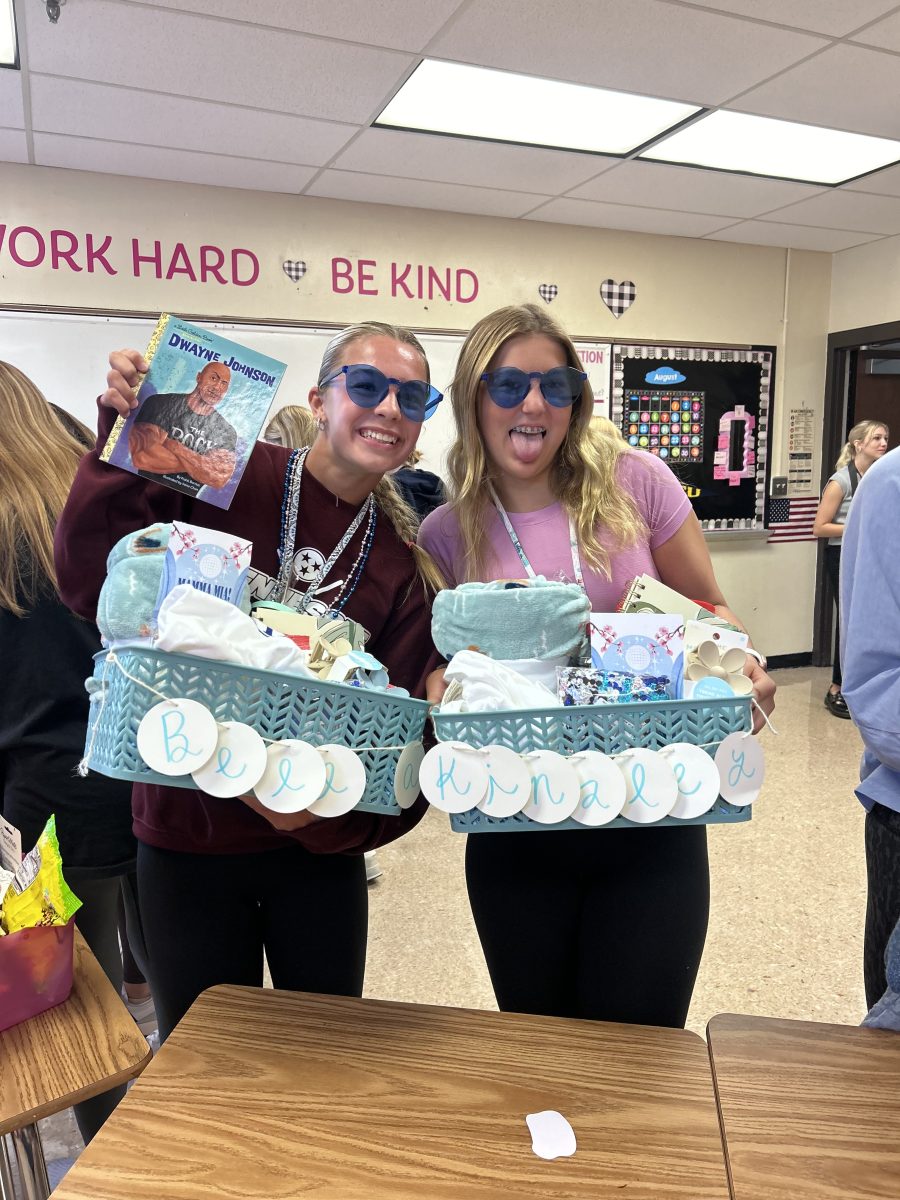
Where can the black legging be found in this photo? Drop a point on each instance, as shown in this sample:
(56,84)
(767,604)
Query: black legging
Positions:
(207,918)
(603,924)
(883,898)
(833,571)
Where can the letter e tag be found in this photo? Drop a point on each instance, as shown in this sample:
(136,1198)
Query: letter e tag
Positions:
(177,736)
(453,777)
(742,768)
(294,776)
(237,763)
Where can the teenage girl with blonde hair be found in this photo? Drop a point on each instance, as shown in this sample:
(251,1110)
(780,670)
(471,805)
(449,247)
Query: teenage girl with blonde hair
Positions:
(46,653)
(224,880)
(866,442)
(294,425)
(608,925)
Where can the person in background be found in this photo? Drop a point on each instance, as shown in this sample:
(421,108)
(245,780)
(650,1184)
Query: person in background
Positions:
(293,426)
(422,490)
(46,652)
(870,636)
(225,882)
(866,443)
(605,926)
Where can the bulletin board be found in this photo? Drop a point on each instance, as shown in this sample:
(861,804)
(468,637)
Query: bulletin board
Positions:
(705,411)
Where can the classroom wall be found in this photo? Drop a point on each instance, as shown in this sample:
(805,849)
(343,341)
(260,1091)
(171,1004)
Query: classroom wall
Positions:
(72,240)
(865,286)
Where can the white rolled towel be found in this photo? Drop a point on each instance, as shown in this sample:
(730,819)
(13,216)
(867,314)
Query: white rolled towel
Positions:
(491,686)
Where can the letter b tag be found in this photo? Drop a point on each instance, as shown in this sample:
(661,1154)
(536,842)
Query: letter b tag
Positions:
(177,737)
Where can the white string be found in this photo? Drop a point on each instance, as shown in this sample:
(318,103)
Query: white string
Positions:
(769,724)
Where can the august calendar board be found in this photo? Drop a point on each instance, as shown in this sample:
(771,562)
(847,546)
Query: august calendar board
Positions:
(705,412)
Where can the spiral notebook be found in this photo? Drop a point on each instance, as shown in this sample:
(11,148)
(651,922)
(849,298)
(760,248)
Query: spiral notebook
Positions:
(647,595)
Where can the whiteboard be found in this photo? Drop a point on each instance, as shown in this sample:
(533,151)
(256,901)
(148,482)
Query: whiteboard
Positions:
(65,354)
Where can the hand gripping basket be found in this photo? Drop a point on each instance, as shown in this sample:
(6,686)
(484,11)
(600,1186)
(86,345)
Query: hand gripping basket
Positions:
(376,725)
(609,728)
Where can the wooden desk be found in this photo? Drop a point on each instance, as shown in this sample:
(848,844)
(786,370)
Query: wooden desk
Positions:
(809,1111)
(76,1050)
(278,1094)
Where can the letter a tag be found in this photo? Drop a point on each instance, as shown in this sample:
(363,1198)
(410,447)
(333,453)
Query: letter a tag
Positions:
(742,768)
(177,737)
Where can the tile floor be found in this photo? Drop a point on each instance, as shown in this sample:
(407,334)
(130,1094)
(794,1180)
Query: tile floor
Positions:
(785,935)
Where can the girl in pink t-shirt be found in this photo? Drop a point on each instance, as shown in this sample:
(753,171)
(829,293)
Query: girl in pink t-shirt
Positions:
(605,925)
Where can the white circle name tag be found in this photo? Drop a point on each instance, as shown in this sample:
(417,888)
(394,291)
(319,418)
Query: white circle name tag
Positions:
(602,785)
(177,736)
(406,774)
(509,783)
(697,777)
(555,789)
(453,777)
(742,768)
(294,777)
(651,790)
(345,782)
(237,763)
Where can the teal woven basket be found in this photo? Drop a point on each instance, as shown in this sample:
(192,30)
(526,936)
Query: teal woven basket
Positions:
(276,706)
(609,728)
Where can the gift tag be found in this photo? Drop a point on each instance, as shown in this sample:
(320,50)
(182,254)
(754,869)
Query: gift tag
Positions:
(555,789)
(741,767)
(294,776)
(237,763)
(345,782)
(453,777)
(651,790)
(406,774)
(697,777)
(177,736)
(509,783)
(602,788)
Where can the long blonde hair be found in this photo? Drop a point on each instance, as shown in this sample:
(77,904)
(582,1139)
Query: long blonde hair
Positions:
(583,476)
(38,461)
(387,495)
(860,432)
(294,425)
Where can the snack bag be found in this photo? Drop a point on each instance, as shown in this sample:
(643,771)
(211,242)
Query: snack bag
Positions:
(38,894)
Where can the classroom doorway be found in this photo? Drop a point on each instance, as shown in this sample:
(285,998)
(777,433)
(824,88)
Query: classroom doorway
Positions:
(862,382)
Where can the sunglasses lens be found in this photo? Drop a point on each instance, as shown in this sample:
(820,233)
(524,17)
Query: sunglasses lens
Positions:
(366,386)
(561,386)
(412,396)
(508,386)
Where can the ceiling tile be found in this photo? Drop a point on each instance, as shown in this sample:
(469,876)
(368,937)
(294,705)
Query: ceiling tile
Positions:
(880,183)
(414,193)
(864,102)
(464,160)
(183,166)
(13,147)
(691,190)
(12,110)
(631,45)
(623,216)
(844,210)
(833,17)
(124,114)
(263,68)
(797,237)
(884,34)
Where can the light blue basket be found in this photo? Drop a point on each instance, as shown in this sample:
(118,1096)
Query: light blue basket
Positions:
(277,706)
(609,728)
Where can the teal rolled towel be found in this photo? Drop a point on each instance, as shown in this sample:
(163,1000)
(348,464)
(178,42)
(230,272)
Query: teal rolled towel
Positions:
(507,621)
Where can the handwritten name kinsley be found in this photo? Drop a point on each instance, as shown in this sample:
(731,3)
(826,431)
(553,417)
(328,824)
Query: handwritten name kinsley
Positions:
(207,354)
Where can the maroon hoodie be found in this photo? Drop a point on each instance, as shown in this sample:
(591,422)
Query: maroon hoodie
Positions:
(107,503)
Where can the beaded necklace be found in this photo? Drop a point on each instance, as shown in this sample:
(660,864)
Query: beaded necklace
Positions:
(290,511)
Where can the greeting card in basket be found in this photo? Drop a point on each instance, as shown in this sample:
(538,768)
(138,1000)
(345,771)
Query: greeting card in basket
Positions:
(210,560)
(648,644)
(200,409)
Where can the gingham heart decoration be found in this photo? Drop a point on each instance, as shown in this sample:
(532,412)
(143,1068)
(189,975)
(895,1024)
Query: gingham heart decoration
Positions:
(617,296)
(548,292)
(295,269)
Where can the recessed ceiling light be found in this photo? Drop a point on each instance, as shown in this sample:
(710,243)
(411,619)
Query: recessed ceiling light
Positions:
(731,141)
(474,102)
(9,51)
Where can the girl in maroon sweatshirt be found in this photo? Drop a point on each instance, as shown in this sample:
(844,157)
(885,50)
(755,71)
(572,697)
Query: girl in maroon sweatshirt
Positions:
(222,880)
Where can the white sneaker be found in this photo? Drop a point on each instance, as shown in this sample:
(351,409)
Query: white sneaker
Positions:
(373,869)
(143,1013)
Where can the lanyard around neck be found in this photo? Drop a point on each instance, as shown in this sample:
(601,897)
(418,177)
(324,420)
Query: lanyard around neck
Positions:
(520,550)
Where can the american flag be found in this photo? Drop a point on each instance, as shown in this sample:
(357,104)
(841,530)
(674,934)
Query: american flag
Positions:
(792,520)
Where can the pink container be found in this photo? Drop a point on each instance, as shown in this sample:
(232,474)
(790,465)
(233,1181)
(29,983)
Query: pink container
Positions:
(35,971)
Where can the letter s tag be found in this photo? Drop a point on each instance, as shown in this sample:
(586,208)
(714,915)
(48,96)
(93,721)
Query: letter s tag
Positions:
(697,777)
(176,737)
(453,777)
(237,763)
(602,788)
(741,767)
(651,790)
(294,776)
